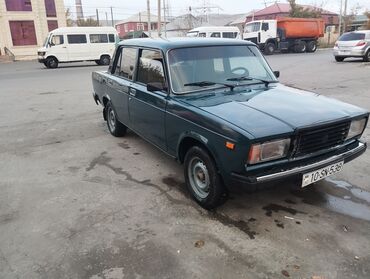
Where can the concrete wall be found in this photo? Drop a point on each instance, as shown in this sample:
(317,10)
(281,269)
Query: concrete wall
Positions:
(38,15)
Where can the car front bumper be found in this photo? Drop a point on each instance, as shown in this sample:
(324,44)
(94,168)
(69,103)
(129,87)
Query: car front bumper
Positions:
(350,53)
(345,154)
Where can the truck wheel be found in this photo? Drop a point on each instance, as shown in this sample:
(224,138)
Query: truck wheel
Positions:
(339,58)
(269,49)
(300,47)
(367,56)
(311,46)
(115,127)
(51,63)
(202,179)
(104,60)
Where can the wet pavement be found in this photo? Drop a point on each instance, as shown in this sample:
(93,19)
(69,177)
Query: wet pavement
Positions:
(78,203)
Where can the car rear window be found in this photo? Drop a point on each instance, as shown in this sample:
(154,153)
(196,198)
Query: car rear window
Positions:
(352,37)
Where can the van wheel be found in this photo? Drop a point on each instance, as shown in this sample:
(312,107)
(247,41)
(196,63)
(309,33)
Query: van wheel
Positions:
(97,62)
(311,46)
(51,63)
(202,179)
(300,47)
(115,127)
(367,56)
(339,58)
(104,60)
(269,49)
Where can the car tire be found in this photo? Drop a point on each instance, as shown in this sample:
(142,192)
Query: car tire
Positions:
(104,60)
(51,63)
(115,127)
(300,47)
(367,56)
(311,46)
(202,178)
(339,58)
(269,49)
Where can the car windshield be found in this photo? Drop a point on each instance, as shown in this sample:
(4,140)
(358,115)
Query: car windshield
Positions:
(352,37)
(200,68)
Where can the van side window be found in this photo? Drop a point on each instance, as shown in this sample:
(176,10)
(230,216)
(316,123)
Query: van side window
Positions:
(98,38)
(216,35)
(202,35)
(112,38)
(150,67)
(77,39)
(231,35)
(57,40)
(126,68)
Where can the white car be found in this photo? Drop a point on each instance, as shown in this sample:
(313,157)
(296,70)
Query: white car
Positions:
(75,44)
(353,44)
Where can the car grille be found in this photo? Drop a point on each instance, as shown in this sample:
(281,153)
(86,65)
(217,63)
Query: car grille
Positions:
(317,139)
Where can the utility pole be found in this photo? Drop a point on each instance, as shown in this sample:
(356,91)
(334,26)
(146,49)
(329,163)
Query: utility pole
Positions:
(111,14)
(340,17)
(159,18)
(148,14)
(106,18)
(345,16)
(97,17)
(164,18)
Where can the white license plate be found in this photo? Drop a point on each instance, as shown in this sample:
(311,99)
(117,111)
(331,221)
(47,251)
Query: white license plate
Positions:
(343,52)
(314,176)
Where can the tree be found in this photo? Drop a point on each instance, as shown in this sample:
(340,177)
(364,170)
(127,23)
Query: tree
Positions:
(87,22)
(69,20)
(367,26)
(300,11)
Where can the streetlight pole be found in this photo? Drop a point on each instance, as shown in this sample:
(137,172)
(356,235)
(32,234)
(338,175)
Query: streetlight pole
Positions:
(148,14)
(159,18)
(340,17)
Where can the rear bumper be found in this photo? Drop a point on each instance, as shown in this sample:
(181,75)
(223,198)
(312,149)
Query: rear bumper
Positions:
(350,53)
(304,167)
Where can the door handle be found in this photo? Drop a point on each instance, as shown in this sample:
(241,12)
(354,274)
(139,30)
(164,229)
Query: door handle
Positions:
(132,92)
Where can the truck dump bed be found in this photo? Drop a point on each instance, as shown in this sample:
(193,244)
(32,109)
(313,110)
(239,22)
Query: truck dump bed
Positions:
(301,27)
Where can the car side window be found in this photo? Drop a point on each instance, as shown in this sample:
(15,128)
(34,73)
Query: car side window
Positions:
(151,67)
(125,65)
(118,62)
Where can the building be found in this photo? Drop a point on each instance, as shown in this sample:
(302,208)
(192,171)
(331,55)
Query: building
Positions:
(283,9)
(24,25)
(358,22)
(138,22)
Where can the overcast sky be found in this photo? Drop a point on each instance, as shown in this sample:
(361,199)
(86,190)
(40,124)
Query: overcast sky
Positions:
(124,8)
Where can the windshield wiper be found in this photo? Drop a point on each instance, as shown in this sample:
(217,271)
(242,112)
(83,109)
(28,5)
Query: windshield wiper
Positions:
(266,82)
(208,83)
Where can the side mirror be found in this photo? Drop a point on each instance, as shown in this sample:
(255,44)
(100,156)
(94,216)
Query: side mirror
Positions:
(277,73)
(156,86)
(51,44)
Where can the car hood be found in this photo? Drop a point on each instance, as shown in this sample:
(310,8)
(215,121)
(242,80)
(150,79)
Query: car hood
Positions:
(275,110)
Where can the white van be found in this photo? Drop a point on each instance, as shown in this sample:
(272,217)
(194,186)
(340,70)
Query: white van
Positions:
(231,32)
(74,44)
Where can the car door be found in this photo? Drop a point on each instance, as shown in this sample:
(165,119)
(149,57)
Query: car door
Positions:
(121,79)
(147,108)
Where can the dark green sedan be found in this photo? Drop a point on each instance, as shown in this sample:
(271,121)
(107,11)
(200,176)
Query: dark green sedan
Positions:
(216,106)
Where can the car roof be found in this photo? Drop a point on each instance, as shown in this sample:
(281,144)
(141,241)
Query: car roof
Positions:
(183,42)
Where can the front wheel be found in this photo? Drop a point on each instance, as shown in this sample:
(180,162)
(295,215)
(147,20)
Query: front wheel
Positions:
(367,56)
(51,63)
(202,179)
(115,127)
(269,48)
(339,58)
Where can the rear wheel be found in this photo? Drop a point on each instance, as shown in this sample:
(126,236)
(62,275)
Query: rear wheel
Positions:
(269,49)
(300,47)
(339,58)
(367,56)
(311,46)
(115,127)
(202,179)
(104,60)
(51,63)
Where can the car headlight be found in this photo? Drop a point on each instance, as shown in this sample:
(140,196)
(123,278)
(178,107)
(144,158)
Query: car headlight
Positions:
(356,128)
(267,151)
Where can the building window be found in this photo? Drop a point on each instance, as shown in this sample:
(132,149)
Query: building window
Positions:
(125,26)
(50,8)
(52,24)
(76,39)
(18,5)
(140,26)
(23,33)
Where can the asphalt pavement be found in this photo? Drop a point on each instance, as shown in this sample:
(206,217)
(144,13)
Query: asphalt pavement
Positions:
(76,202)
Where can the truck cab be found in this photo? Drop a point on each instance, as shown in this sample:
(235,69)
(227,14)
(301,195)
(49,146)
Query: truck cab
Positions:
(260,31)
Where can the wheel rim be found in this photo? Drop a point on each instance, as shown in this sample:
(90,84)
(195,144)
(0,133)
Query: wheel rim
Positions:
(199,177)
(52,63)
(111,119)
(271,49)
(105,61)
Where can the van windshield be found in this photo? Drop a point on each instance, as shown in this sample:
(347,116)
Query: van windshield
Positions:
(46,42)
(199,68)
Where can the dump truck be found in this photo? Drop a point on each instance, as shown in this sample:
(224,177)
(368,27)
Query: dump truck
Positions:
(285,34)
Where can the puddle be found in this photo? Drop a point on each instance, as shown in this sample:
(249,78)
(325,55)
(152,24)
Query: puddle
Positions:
(338,196)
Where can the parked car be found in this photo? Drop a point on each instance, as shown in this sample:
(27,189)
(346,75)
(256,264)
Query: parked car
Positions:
(76,44)
(217,107)
(229,32)
(353,44)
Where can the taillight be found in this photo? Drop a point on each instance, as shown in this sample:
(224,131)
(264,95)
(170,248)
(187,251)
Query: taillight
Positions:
(361,43)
